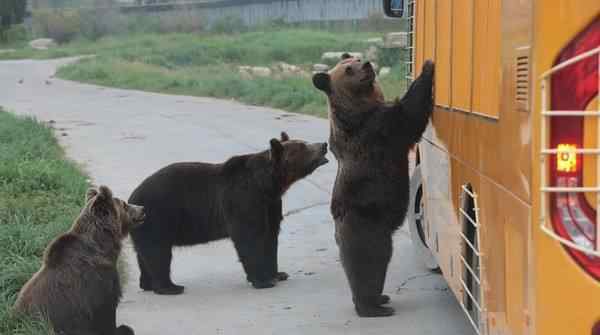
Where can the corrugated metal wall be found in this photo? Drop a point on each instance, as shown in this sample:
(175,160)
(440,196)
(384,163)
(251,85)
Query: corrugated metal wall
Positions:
(300,10)
(256,12)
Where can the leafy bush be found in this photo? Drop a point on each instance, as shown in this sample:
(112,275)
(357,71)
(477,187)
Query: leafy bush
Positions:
(62,25)
(229,24)
(97,23)
(12,12)
(180,22)
(376,21)
(389,56)
(15,33)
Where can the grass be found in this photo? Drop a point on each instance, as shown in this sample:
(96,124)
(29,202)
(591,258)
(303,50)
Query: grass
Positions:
(293,93)
(207,64)
(40,194)
(186,49)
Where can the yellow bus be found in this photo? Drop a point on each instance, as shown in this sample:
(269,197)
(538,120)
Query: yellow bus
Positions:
(504,194)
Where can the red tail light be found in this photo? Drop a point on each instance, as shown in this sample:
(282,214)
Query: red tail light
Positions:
(596,329)
(572,89)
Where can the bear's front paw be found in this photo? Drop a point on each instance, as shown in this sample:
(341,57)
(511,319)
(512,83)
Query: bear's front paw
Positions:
(258,284)
(282,276)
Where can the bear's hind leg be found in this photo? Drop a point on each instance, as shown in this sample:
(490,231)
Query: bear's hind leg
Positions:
(365,258)
(158,262)
(386,245)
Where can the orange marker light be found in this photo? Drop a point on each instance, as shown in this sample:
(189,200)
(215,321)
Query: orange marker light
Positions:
(566,158)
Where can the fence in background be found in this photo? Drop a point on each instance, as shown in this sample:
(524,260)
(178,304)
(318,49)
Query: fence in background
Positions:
(254,12)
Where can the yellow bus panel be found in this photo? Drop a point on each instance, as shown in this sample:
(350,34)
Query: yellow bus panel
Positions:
(443,38)
(462,43)
(486,57)
(429,51)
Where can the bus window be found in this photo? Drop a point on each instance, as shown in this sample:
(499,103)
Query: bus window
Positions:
(462,45)
(442,53)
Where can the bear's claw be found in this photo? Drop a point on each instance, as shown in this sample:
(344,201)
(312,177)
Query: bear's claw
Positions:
(282,276)
(146,286)
(383,299)
(264,284)
(169,290)
(373,311)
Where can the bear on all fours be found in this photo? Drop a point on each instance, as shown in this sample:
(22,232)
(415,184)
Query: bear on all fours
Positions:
(78,287)
(192,203)
(371,139)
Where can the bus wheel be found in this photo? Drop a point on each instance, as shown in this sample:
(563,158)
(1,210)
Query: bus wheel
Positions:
(416,220)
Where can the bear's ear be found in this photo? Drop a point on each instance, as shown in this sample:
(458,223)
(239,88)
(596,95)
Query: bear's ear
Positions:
(103,200)
(104,193)
(346,55)
(276,151)
(284,137)
(322,81)
(91,192)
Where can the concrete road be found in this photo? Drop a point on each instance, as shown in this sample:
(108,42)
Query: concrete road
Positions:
(121,136)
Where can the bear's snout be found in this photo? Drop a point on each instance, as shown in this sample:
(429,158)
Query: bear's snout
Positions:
(369,72)
(324,148)
(138,215)
(321,153)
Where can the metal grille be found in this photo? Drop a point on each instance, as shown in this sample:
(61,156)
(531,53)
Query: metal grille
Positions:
(565,190)
(473,299)
(409,63)
(522,82)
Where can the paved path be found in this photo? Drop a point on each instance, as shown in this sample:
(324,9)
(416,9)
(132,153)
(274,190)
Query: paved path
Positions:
(121,136)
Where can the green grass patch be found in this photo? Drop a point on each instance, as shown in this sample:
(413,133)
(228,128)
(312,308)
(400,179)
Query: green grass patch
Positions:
(207,64)
(40,195)
(293,93)
(186,49)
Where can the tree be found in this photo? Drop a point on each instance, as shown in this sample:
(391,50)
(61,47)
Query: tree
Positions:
(20,10)
(12,12)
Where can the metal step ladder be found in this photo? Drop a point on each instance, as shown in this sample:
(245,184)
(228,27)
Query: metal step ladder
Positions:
(475,292)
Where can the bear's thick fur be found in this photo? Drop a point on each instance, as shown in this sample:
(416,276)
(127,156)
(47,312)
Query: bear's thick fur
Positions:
(78,288)
(371,140)
(193,203)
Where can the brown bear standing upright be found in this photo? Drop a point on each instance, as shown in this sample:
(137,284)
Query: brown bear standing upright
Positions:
(371,140)
(78,288)
(194,202)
